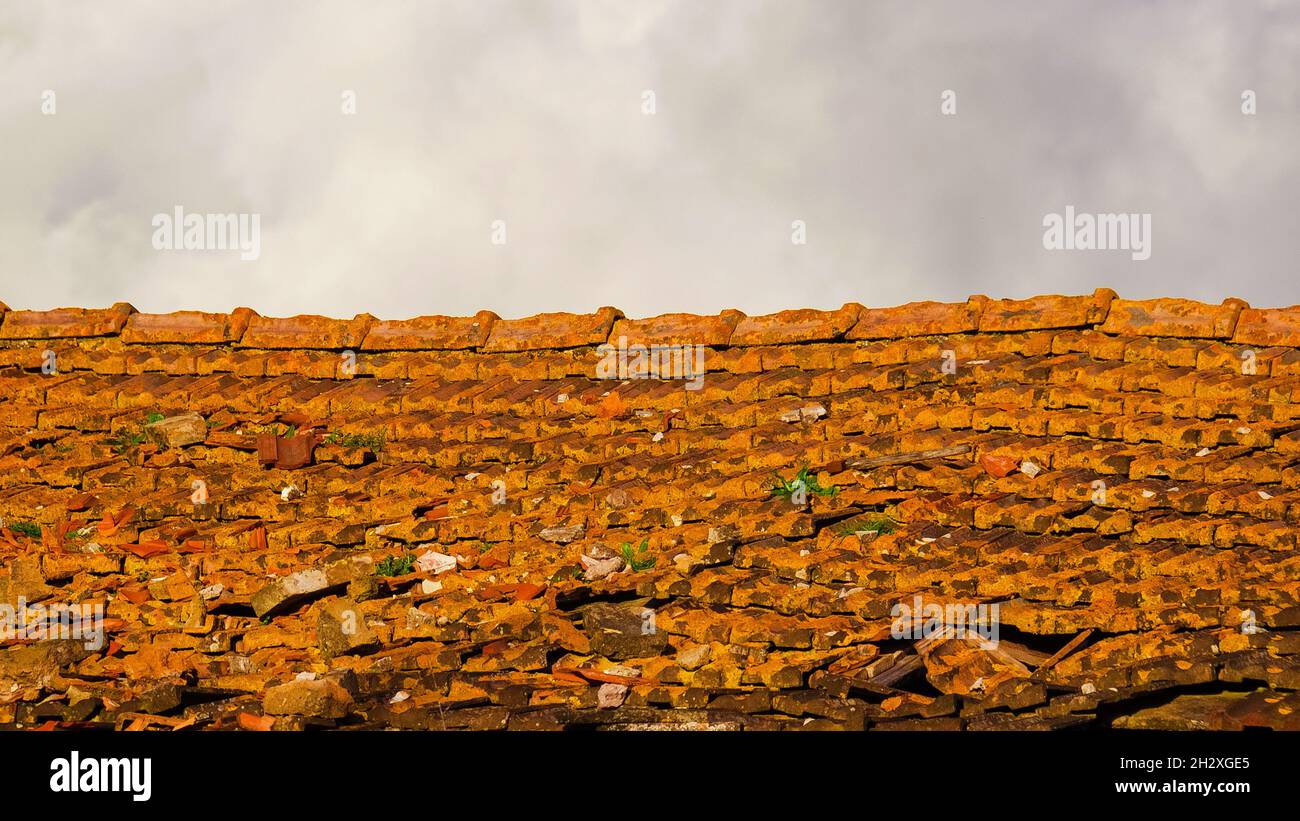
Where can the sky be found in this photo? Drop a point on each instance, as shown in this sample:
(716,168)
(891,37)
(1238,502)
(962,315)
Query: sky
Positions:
(411,158)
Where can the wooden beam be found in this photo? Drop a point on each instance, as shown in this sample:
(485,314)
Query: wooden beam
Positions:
(1069,648)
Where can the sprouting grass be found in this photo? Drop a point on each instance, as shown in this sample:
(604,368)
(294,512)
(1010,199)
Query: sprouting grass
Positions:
(282,431)
(128,438)
(569,571)
(396,565)
(802,479)
(30,529)
(879,524)
(630,556)
(370,441)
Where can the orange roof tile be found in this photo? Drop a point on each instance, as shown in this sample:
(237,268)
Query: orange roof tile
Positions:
(186,327)
(64,322)
(430,333)
(799,325)
(918,319)
(1172,317)
(671,329)
(554,330)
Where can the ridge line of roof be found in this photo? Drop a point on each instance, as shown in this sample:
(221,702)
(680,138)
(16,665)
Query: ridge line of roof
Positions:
(1103,311)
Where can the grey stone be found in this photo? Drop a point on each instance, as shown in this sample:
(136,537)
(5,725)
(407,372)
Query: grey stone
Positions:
(283,593)
(621,632)
(178,431)
(319,697)
(562,535)
(341,629)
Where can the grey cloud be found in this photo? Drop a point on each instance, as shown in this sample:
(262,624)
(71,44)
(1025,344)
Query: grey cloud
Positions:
(530,112)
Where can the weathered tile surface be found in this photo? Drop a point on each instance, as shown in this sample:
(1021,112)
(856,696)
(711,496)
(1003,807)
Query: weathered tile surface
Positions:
(451,522)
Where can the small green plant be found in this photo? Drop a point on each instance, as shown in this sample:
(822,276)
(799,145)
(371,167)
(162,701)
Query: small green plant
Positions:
(396,565)
(370,441)
(630,556)
(484,546)
(282,431)
(128,438)
(879,524)
(803,479)
(30,529)
(569,571)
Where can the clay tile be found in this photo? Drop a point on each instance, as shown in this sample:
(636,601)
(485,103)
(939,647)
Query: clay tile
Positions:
(195,327)
(801,325)
(669,329)
(555,330)
(1173,317)
(306,331)
(1269,326)
(430,333)
(918,319)
(1047,311)
(65,322)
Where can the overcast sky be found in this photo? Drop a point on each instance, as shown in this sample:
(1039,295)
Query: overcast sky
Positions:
(534,113)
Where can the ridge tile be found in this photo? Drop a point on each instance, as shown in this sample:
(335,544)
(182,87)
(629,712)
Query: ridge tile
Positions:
(1172,317)
(65,322)
(551,330)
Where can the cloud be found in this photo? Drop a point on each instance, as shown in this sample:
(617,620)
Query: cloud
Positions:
(531,113)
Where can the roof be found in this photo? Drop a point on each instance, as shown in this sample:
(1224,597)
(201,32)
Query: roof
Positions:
(451,522)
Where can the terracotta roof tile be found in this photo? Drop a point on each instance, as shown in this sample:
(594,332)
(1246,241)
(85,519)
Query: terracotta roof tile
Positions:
(1046,312)
(306,331)
(918,319)
(800,325)
(428,333)
(188,327)
(65,322)
(554,330)
(1173,317)
(671,329)
(1269,326)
